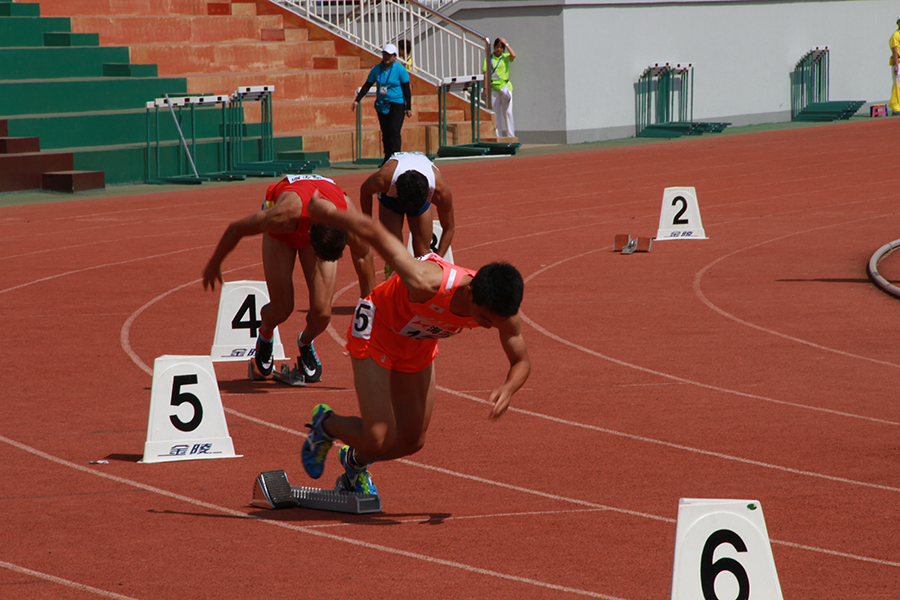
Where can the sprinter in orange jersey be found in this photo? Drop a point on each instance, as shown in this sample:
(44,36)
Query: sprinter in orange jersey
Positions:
(393,341)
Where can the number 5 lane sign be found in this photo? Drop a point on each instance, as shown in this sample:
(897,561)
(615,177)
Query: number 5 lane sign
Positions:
(722,552)
(187,421)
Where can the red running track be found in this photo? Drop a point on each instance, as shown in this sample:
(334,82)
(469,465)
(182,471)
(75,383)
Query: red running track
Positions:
(760,363)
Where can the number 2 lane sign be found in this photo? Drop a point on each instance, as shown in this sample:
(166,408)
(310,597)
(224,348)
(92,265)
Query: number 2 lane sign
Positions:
(680,215)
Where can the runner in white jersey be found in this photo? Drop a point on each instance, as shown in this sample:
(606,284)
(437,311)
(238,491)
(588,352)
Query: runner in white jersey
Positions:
(407,185)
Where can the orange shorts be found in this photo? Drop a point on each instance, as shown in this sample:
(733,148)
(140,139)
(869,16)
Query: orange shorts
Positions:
(392,351)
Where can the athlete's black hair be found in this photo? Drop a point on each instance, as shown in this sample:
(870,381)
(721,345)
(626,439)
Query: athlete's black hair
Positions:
(412,190)
(498,287)
(327,242)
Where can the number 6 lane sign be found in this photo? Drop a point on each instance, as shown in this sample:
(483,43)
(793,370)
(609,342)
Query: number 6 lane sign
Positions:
(722,552)
(187,421)
(679,218)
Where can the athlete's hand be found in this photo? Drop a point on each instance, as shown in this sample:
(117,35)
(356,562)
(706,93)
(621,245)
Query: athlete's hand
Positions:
(500,400)
(211,274)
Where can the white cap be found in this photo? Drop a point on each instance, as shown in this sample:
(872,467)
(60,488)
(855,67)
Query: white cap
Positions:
(390,49)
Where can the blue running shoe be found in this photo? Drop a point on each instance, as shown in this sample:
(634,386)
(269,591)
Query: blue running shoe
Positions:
(263,355)
(317,443)
(354,479)
(309,362)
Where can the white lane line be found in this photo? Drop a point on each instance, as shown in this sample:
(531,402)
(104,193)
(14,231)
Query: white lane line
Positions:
(65,582)
(307,530)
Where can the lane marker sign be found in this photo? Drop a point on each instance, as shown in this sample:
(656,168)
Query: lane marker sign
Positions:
(722,552)
(187,421)
(436,234)
(237,324)
(679,218)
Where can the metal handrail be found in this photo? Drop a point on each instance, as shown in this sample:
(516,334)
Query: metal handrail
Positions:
(441,47)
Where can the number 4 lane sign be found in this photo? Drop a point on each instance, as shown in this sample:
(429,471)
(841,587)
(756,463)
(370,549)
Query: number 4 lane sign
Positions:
(722,552)
(237,325)
(679,218)
(187,421)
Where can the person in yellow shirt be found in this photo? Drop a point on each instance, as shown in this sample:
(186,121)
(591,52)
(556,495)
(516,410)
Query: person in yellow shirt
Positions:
(501,87)
(894,43)
(404,55)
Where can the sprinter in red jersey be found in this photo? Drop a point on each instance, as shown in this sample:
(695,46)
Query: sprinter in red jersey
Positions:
(289,235)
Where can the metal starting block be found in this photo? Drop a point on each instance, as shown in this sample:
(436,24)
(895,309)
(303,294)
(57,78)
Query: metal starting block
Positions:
(272,490)
(291,376)
(629,245)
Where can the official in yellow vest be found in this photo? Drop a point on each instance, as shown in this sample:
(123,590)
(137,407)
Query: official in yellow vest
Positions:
(894,43)
(501,87)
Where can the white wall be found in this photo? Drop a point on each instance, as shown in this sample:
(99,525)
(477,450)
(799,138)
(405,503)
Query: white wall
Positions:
(577,61)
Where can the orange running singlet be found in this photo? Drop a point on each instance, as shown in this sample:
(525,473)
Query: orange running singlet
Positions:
(401,335)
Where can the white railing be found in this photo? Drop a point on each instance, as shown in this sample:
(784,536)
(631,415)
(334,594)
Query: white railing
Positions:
(441,47)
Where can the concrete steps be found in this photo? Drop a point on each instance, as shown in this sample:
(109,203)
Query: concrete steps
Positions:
(175,29)
(196,47)
(24,167)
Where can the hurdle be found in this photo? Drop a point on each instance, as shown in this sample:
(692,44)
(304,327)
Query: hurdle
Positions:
(181,102)
(357,143)
(656,91)
(231,154)
(471,85)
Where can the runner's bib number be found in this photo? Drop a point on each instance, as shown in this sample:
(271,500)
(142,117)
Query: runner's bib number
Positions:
(420,328)
(296,178)
(363,317)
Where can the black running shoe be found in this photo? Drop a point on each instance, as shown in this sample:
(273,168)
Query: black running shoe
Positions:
(263,356)
(309,362)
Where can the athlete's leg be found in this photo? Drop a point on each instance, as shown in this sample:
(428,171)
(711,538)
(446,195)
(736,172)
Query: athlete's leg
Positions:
(321,279)
(395,410)
(278,265)
(421,229)
(392,221)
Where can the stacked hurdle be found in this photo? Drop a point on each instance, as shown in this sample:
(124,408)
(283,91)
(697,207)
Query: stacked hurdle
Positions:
(231,155)
(471,85)
(659,90)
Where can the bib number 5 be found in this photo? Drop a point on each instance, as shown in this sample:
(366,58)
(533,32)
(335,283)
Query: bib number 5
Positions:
(363,317)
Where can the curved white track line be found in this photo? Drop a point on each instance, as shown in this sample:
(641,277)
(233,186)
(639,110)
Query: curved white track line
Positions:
(709,304)
(95,267)
(66,582)
(302,529)
(662,374)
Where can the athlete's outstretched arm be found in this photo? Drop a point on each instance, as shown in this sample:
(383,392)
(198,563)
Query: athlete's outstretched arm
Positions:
(519,365)
(417,276)
(281,218)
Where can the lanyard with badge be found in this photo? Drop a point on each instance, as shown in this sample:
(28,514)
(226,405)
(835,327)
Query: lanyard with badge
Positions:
(382,85)
(494,75)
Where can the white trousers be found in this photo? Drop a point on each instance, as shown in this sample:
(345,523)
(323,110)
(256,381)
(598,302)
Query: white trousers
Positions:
(501,102)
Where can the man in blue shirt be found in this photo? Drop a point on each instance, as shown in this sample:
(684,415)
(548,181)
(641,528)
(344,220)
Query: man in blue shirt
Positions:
(393,99)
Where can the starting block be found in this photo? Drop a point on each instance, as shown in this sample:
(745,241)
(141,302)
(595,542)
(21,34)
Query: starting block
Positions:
(291,376)
(272,490)
(628,245)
